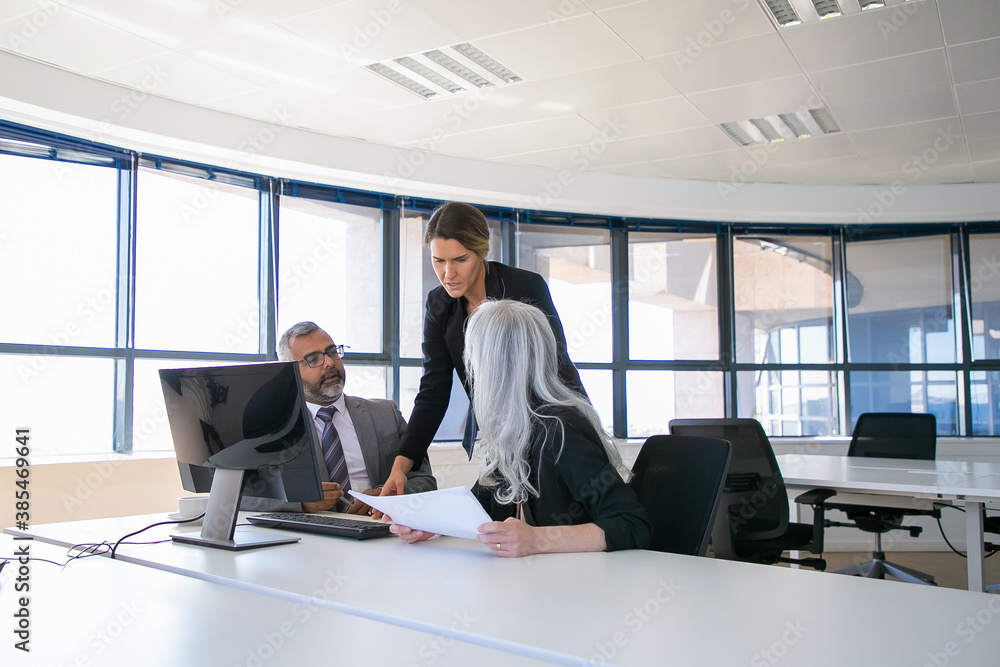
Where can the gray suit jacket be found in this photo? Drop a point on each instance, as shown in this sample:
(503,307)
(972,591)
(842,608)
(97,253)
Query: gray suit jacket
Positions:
(379,426)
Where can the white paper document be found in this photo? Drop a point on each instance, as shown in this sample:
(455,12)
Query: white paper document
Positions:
(454,511)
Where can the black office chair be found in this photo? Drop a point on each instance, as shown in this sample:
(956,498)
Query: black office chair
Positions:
(678,479)
(752,523)
(991,524)
(893,435)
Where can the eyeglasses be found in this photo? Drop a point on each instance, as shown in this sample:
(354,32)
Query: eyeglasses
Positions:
(314,359)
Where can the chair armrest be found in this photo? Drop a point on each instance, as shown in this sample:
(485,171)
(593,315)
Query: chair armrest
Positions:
(815,497)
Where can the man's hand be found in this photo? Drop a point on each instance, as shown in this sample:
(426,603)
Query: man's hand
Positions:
(358,507)
(409,535)
(331,494)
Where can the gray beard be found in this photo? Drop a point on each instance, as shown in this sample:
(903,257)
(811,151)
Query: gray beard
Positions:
(315,394)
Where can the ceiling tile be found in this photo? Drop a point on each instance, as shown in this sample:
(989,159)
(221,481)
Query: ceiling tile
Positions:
(485,108)
(828,147)
(976,61)
(174,24)
(269,56)
(33,17)
(754,100)
(937,174)
(639,169)
(575,159)
(981,126)
(979,97)
(575,45)
(654,27)
(728,64)
(880,78)
(969,20)
(656,117)
(267,105)
(368,31)
(894,109)
(871,35)
(912,146)
(707,139)
(987,172)
(984,149)
(349,92)
(484,19)
(616,85)
(847,170)
(178,77)
(56,42)
(726,162)
(566,132)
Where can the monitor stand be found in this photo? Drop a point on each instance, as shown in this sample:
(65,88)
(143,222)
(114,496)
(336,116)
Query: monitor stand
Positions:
(218,529)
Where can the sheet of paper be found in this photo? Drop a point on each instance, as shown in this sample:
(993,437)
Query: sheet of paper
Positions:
(454,511)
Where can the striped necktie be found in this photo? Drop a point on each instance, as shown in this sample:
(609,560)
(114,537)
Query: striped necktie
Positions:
(333,451)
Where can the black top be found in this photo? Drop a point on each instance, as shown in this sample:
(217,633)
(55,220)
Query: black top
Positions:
(444,345)
(576,486)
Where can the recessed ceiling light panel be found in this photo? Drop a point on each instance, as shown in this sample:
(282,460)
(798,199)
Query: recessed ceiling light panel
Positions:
(446,71)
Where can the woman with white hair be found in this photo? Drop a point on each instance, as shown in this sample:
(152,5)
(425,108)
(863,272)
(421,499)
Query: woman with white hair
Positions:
(551,477)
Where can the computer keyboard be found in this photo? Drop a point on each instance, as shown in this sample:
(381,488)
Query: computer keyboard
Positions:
(324,524)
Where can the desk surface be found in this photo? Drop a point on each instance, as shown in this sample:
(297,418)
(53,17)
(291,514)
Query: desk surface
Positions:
(936,479)
(96,611)
(627,608)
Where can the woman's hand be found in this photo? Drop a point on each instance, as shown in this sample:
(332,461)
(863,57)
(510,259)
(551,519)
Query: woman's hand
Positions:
(510,539)
(409,535)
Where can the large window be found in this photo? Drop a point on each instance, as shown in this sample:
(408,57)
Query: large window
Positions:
(112,271)
(673,296)
(196,265)
(330,271)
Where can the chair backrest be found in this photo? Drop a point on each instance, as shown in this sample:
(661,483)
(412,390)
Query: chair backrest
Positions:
(679,480)
(895,435)
(754,498)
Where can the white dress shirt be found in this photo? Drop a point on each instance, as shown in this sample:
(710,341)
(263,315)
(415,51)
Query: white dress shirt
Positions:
(356,468)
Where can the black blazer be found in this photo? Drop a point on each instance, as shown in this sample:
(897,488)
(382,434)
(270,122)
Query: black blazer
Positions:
(444,345)
(576,484)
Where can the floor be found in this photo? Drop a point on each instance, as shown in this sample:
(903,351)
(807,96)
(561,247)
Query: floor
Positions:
(948,568)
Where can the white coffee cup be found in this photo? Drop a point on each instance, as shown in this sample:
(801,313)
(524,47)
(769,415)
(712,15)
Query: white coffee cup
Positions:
(189,507)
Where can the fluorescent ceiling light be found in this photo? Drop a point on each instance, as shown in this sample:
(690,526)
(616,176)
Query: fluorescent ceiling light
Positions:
(781,11)
(429,74)
(402,79)
(827,8)
(457,68)
(871,4)
(487,63)
(446,71)
(800,124)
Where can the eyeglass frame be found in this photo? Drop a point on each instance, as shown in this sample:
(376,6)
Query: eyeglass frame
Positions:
(334,352)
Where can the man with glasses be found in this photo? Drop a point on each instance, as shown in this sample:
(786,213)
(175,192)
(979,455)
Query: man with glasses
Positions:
(369,430)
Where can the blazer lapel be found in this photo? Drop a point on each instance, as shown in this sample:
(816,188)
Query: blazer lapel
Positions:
(364,427)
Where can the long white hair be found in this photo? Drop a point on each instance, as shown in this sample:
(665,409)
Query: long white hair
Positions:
(510,358)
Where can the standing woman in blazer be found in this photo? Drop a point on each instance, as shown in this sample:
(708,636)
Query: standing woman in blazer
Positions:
(459,240)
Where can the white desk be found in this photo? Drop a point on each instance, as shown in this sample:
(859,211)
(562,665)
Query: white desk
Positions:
(96,611)
(971,484)
(626,608)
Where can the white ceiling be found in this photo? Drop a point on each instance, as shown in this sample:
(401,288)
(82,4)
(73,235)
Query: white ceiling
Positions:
(608,86)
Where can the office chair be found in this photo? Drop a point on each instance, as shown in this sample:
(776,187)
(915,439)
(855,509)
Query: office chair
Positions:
(898,435)
(991,524)
(678,479)
(752,523)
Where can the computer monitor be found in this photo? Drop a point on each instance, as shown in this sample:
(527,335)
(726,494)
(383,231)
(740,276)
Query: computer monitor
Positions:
(242,430)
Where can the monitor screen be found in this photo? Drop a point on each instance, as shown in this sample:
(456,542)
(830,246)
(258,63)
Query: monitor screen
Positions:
(242,430)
